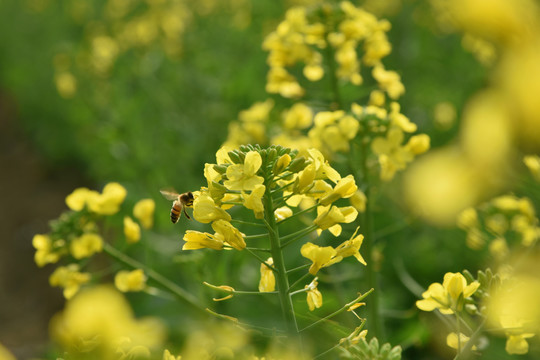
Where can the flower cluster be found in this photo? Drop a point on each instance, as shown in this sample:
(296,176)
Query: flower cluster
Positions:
(502,222)
(271,183)
(304,37)
(75,235)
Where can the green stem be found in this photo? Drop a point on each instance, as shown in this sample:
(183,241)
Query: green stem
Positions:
(282,281)
(179,292)
(297,235)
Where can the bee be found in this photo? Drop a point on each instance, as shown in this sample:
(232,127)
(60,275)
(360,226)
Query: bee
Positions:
(180,202)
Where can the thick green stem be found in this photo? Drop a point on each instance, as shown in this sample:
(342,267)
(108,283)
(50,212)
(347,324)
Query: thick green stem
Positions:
(282,281)
(158,278)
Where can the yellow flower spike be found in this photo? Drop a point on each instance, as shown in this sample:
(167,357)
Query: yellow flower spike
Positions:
(198,240)
(314,296)
(130,280)
(320,256)
(206,211)
(231,235)
(282,213)
(79,197)
(253,201)
(132,230)
(144,212)
(86,245)
(69,278)
(44,250)
(358,201)
(455,342)
(243,176)
(345,188)
(268,280)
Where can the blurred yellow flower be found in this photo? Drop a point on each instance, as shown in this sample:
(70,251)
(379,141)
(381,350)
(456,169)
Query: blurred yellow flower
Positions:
(44,250)
(5,354)
(130,280)
(168,356)
(79,198)
(358,201)
(99,322)
(66,84)
(86,245)
(108,202)
(132,230)
(268,280)
(69,278)
(299,116)
(144,212)
(533,164)
(455,342)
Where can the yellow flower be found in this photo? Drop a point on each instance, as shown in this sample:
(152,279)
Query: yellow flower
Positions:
(282,213)
(418,144)
(358,201)
(69,278)
(109,201)
(132,230)
(314,296)
(130,280)
(467,219)
(253,201)
(98,321)
(144,212)
(206,211)
(449,296)
(268,281)
(198,240)
(44,250)
(320,256)
(322,168)
(282,163)
(299,116)
(455,342)
(345,188)
(330,216)
(389,81)
(231,235)
(351,247)
(516,344)
(86,245)
(79,198)
(243,176)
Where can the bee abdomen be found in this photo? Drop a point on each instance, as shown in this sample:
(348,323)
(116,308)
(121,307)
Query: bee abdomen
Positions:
(175,212)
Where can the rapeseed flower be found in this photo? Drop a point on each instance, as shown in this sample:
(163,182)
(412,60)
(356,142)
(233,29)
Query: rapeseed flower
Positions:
(253,200)
(134,280)
(268,280)
(231,235)
(45,250)
(69,278)
(314,296)
(243,176)
(320,256)
(86,245)
(449,296)
(144,212)
(132,230)
(205,209)
(198,240)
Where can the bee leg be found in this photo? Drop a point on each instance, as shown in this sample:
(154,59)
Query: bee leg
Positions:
(185,212)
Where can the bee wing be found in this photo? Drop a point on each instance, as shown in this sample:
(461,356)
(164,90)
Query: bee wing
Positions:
(169,195)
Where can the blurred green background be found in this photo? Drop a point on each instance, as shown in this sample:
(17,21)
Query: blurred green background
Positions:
(148,111)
